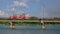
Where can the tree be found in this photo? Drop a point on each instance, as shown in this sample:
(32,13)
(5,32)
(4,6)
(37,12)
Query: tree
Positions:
(33,17)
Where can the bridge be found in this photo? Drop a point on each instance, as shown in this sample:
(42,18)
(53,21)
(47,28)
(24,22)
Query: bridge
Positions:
(31,20)
(43,25)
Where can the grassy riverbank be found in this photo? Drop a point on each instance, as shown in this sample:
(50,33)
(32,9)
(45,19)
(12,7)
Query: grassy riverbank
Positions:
(32,23)
(22,23)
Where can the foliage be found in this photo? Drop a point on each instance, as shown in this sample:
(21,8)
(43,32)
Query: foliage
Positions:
(33,17)
(30,23)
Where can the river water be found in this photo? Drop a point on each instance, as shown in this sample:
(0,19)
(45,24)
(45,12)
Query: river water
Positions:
(30,30)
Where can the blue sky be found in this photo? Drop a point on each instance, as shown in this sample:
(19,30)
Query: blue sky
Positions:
(38,8)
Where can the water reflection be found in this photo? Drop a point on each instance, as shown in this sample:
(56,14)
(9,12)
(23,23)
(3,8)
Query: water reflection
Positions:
(30,30)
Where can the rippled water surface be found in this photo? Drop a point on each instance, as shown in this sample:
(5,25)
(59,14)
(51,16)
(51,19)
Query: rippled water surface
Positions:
(30,30)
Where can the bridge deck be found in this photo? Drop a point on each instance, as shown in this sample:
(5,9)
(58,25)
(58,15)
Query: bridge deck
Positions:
(31,20)
(22,20)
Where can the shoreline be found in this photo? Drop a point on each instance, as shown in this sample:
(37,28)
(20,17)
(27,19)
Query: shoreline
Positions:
(32,25)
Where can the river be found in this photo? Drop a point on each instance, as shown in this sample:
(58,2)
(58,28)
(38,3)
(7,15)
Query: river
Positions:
(30,30)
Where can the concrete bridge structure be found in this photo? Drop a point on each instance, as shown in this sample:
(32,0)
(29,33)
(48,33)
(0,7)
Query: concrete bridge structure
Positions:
(41,21)
(31,20)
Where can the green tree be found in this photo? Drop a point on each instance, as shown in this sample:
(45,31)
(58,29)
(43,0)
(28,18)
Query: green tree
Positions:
(33,17)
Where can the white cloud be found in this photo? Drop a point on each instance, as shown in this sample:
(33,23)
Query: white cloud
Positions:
(17,3)
(22,3)
(13,9)
(3,13)
(10,9)
(20,13)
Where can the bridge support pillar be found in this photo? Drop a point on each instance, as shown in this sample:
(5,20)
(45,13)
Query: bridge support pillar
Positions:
(42,24)
(11,24)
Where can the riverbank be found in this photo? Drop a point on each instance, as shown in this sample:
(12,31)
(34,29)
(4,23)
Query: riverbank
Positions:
(31,23)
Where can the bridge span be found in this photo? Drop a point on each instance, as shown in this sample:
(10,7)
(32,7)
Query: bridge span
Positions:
(31,20)
(43,25)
